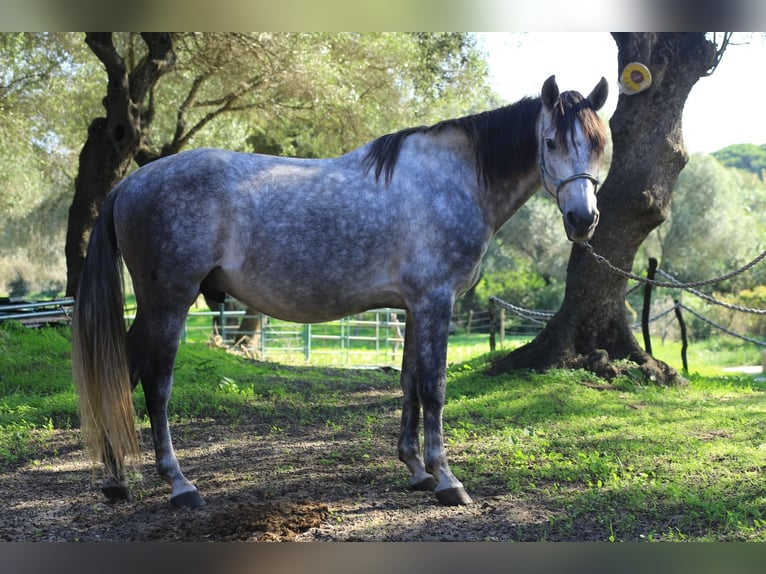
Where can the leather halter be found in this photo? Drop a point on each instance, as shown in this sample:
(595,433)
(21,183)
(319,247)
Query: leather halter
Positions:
(559,183)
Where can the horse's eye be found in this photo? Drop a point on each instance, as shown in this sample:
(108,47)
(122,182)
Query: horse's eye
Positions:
(550,144)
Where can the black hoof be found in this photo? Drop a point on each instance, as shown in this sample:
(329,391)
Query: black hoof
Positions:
(428,484)
(117,492)
(453,497)
(190,499)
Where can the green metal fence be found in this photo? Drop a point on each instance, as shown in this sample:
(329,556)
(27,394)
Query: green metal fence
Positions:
(372,338)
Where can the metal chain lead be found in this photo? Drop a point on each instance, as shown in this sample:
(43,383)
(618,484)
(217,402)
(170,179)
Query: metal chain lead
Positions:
(670,285)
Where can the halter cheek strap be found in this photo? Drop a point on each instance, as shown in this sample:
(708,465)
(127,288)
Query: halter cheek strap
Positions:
(559,183)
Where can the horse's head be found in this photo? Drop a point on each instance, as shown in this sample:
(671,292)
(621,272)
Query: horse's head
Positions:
(571,142)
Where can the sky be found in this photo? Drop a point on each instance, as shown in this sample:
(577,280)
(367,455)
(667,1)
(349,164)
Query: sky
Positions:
(722,109)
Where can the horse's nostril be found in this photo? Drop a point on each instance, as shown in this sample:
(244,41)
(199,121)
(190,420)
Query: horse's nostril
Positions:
(574,221)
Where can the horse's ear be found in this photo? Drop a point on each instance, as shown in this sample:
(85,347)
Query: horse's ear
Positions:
(550,92)
(597,97)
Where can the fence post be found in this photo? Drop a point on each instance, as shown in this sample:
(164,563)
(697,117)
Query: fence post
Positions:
(470,319)
(502,327)
(263,336)
(222,320)
(307,342)
(492,326)
(647,305)
(684,343)
(377,333)
(345,341)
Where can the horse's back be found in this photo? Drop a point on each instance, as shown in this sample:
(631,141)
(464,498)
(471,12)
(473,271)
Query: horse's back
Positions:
(300,239)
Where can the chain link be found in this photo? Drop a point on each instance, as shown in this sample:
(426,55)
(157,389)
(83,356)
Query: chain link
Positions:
(672,283)
(713,300)
(721,327)
(601,260)
(538,317)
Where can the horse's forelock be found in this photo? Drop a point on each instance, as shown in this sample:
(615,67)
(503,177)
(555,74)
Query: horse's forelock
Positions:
(571,108)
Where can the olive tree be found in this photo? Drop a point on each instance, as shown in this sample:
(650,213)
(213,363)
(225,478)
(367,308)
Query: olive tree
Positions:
(591,327)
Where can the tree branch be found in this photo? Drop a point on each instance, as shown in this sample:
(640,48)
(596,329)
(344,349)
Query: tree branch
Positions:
(180,142)
(183,110)
(719,51)
(225,104)
(102,46)
(244,88)
(160,60)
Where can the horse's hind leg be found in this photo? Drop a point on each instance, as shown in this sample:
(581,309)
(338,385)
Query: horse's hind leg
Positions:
(115,487)
(153,345)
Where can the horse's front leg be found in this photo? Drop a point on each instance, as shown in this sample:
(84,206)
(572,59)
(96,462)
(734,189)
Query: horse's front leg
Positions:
(431,332)
(409,440)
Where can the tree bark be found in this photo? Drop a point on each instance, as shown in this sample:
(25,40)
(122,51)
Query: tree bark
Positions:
(591,328)
(113,141)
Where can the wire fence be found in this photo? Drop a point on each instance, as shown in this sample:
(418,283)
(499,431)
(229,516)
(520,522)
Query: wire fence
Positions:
(36,313)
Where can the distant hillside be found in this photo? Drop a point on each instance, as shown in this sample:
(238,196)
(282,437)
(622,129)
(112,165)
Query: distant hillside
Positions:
(749,157)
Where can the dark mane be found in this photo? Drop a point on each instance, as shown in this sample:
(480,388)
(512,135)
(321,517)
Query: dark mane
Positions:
(504,139)
(501,139)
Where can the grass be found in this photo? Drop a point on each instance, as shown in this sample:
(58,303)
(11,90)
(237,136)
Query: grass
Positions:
(633,463)
(628,462)
(709,356)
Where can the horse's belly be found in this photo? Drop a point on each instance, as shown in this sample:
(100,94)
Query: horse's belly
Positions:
(304,300)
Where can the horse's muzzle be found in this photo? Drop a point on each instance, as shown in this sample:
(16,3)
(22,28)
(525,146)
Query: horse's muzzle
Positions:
(580,226)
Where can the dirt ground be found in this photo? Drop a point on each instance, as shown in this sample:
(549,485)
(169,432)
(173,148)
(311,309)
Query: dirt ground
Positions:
(300,484)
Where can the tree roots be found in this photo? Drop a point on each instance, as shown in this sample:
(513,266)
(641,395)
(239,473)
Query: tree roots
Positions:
(640,366)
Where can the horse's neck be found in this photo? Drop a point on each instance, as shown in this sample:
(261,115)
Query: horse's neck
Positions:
(504,198)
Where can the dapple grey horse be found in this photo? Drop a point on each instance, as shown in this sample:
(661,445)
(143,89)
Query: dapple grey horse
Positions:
(402,221)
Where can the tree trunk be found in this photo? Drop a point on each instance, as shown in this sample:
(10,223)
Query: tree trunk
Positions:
(591,327)
(112,141)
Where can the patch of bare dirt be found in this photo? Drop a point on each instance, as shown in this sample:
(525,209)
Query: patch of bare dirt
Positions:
(305,484)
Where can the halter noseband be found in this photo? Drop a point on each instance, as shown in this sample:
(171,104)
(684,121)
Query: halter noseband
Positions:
(559,183)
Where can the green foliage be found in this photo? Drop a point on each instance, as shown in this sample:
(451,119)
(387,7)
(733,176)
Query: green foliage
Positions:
(315,94)
(754,298)
(714,225)
(748,157)
(48,94)
(750,324)
(520,284)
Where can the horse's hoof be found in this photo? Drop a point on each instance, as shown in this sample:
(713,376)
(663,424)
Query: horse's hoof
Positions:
(453,497)
(190,499)
(428,484)
(116,492)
